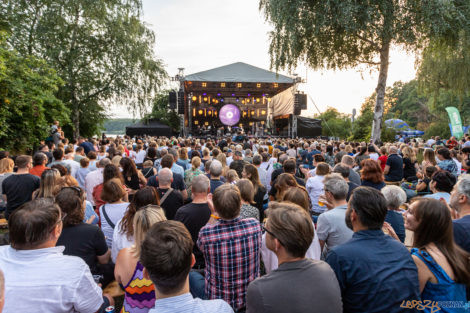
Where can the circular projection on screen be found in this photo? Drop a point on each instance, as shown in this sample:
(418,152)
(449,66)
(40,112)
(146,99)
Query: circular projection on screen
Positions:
(229,114)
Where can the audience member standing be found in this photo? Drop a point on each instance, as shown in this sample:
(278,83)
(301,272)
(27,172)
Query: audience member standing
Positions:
(6,169)
(228,240)
(18,188)
(170,200)
(39,164)
(215,171)
(289,288)
(95,178)
(375,272)
(196,214)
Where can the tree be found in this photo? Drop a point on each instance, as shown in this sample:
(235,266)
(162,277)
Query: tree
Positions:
(339,34)
(28,105)
(335,124)
(101,49)
(161,112)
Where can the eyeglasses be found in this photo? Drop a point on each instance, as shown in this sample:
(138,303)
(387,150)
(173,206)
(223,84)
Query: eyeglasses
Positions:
(269,232)
(77,189)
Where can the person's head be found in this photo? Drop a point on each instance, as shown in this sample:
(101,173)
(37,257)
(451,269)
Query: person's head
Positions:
(227,201)
(71,201)
(111,171)
(429,171)
(289,166)
(442,181)
(231,176)
(283,182)
(58,154)
(196,162)
(167,256)
(444,154)
(257,159)
(221,158)
(367,209)
(394,195)
(251,172)
(6,165)
(297,195)
(84,162)
(103,162)
(145,196)
(317,158)
(237,155)
(371,171)
(113,191)
(147,164)
(347,160)
(336,188)
(24,162)
(289,227)
(48,185)
(144,219)
(322,169)
(128,167)
(151,153)
(460,196)
(92,155)
(36,223)
(216,168)
(431,222)
(341,169)
(392,150)
(39,158)
(167,161)
(383,150)
(247,191)
(165,177)
(429,156)
(200,185)
(80,150)
(282,157)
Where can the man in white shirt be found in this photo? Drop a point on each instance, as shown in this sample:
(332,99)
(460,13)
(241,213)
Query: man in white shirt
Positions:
(38,277)
(95,178)
(69,160)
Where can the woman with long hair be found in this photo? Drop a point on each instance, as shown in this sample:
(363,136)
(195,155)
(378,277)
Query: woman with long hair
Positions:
(284,182)
(183,160)
(329,156)
(223,159)
(251,173)
(372,174)
(409,164)
(123,235)
(6,169)
(362,155)
(139,294)
(132,177)
(315,186)
(443,267)
(81,239)
(191,173)
(50,181)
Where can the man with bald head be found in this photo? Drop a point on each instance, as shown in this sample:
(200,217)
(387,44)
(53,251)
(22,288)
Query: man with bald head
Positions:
(394,167)
(170,199)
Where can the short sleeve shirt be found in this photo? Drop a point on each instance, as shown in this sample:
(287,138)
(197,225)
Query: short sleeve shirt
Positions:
(396,168)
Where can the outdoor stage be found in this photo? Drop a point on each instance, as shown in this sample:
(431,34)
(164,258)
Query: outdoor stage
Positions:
(237,97)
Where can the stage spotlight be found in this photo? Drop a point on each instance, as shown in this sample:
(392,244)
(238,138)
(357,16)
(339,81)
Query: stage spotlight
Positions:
(205,99)
(218,95)
(194,98)
(200,112)
(247,100)
(233,95)
(249,95)
(257,100)
(258,85)
(204,94)
(238,99)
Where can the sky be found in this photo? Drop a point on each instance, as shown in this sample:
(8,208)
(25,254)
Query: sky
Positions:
(204,34)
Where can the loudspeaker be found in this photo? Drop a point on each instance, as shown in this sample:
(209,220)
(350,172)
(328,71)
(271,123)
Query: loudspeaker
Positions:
(300,103)
(180,102)
(172,100)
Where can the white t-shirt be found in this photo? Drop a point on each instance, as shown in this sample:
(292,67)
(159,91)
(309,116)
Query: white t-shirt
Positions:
(140,156)
(115,213)
(45,280)
(120,241)
(374,156)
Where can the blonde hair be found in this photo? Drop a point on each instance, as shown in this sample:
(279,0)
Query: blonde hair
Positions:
(196,162)
(348,149)
(116,160)
(232,176)
(6,165)
(49,184)
(409,153)
(144,218)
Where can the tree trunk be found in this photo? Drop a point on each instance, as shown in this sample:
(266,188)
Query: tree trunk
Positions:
(380,90)
(75,117)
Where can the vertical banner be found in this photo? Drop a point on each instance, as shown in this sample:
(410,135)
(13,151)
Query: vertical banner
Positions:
(455,122)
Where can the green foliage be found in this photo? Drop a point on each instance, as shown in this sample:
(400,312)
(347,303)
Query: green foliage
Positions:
(117,126)
(339,34)
(28,105)
(161,112)
(363,124)
(101,49)
(335,124)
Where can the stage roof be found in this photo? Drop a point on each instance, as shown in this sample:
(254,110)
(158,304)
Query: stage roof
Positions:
(239,72)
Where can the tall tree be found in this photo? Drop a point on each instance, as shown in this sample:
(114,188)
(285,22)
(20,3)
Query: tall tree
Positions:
(101,49)
(340,34)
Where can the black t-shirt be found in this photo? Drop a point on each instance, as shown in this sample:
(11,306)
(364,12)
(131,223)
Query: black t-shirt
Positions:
(172,202)
(351,186)
(396,168)
(19,190)
(409,169)
(85,241)
(177,183)
(194,216)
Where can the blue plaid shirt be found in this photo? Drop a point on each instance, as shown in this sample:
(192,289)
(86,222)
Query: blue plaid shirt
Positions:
(231,250)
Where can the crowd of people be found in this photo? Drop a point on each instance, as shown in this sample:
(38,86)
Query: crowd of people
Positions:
(217,225)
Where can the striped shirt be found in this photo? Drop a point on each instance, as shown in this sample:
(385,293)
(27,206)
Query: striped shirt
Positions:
(231,251)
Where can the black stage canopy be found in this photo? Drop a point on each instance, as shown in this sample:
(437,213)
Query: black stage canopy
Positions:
(152,128)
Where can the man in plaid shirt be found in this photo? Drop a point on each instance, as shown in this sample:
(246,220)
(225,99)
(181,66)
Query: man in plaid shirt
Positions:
(231,248)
